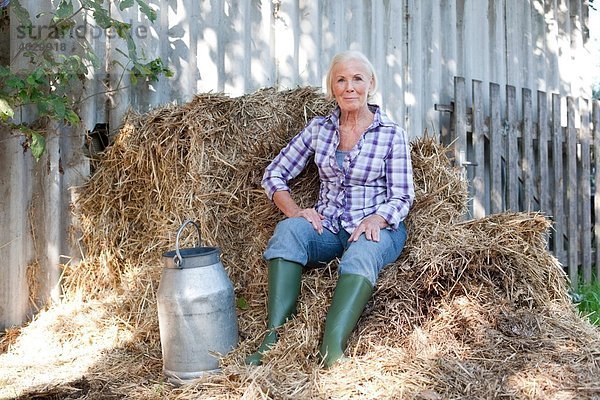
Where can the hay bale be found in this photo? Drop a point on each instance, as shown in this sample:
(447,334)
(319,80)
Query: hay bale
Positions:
(201,161)
(471,308)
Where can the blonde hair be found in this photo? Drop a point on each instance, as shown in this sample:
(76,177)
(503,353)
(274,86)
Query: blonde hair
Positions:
(345,56)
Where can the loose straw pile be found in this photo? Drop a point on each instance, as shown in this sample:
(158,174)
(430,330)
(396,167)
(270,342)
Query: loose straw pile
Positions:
(472,309)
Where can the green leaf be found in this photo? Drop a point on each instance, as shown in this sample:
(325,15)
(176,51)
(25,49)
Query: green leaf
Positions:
(6,110)
(93,59)
(63,26)
(122,29)
(30,80)
(145,8)
(100,14)
(21,13)
(4,71)
(131,48)
(142,70)
(63,11)
(72,117)
(59,108)
(125,4)
(103,20)
(38,145)
(242,303)
(39,74)
(14,82)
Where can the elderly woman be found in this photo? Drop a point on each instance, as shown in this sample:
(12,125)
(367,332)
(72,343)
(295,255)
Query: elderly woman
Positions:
(365,194)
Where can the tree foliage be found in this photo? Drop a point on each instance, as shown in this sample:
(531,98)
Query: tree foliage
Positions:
(59,62)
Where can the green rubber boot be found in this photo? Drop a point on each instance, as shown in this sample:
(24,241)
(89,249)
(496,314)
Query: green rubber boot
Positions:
(283,291)
(351,295)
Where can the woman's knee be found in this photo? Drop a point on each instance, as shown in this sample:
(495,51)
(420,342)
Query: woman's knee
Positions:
(293,227)
(368,258)
(289,241)
(361,262)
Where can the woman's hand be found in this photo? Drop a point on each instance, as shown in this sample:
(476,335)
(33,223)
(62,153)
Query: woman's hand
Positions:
(371,227)
(288,206)
(312,216)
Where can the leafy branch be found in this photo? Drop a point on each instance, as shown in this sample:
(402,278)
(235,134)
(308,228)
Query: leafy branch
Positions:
(52,82)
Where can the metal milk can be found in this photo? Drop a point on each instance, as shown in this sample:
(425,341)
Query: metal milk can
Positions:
(196,311)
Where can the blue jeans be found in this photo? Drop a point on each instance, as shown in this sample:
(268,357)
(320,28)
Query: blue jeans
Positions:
(296,240)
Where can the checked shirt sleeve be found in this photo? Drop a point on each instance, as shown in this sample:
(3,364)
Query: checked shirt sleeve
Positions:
(290,161)
(399,176)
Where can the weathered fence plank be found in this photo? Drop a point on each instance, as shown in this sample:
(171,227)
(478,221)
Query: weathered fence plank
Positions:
(557,164)
(460,123)
(542,159)
(512,154)
(527,150)
(496,145)
(585,217)
(571,190)
(479,151)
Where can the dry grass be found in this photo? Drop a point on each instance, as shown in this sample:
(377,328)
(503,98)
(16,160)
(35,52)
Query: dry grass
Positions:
(472,309)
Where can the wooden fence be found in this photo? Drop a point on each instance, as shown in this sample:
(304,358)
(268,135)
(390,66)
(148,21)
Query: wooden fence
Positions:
(519,155)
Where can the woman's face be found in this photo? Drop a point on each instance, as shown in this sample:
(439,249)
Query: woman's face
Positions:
(350,83)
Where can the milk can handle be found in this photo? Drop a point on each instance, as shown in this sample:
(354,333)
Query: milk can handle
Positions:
(178,259)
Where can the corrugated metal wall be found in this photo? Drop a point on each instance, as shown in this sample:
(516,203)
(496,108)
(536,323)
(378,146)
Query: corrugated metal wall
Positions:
(238,46)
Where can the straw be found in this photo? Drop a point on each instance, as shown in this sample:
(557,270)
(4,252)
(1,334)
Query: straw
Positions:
(471,309)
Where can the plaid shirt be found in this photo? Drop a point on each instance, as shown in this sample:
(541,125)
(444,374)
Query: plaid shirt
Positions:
(376,177)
